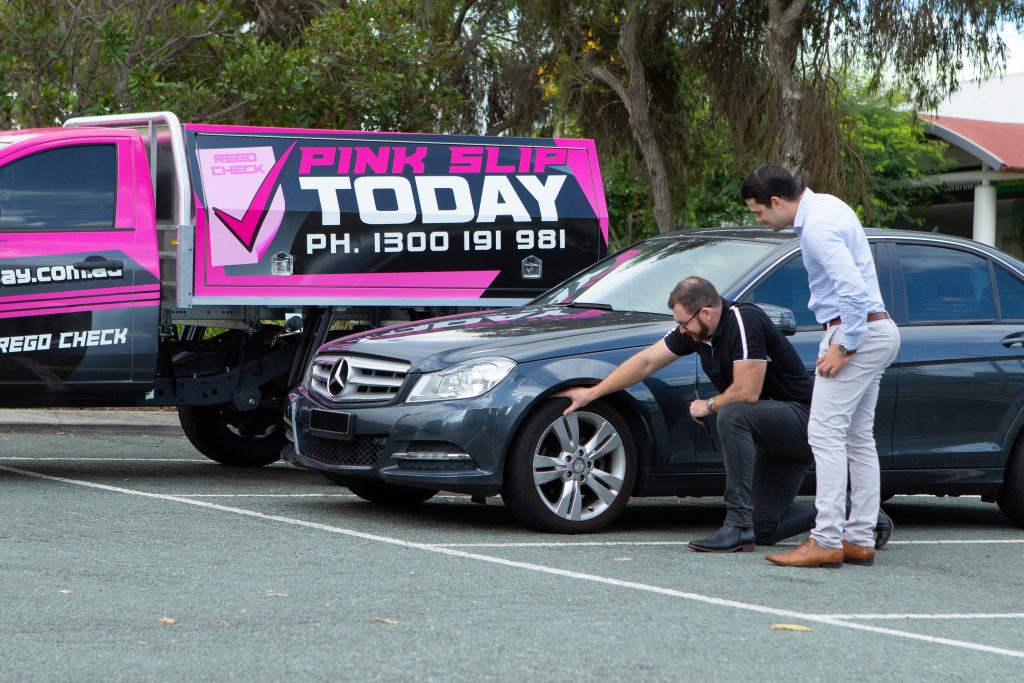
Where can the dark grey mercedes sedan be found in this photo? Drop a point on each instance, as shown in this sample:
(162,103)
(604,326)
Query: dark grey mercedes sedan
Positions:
(463,403)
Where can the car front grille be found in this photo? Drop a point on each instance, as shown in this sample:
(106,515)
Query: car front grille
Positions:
(363,451)
(344,377)
(445,465)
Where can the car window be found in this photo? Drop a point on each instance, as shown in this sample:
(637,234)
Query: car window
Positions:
(48,190)
(642,277)
(945,284)
(788,287)
(1011,295)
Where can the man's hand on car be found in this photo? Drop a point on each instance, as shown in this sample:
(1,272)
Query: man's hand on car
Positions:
(580,396)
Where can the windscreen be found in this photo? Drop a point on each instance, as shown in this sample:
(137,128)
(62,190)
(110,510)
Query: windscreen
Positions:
(640,278)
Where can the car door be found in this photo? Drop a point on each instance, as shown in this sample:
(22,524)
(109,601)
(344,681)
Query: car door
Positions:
(785,284)
(68,269)
(961,365)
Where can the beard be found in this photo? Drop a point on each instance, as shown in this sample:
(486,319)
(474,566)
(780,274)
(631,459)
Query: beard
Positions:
(705,332)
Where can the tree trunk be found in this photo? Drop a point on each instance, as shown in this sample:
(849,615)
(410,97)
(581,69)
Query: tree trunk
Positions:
(634,96)
(782,41)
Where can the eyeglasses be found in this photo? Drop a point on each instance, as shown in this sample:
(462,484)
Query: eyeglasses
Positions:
(685,325)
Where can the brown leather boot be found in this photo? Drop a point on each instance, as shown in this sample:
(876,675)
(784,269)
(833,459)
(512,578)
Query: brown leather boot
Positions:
(809,554)
(858,554)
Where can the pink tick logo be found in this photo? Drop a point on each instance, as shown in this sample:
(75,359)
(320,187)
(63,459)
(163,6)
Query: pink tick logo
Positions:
(246,201)
(248,226)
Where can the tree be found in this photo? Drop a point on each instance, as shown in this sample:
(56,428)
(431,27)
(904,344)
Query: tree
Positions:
(886,139)
(282,22)
(366,66)
(621,77)
(630,85)
(67,57)
(774,65)
(493,58)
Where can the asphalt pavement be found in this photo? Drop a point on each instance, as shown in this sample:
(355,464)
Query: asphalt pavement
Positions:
(127,556)
(90,420)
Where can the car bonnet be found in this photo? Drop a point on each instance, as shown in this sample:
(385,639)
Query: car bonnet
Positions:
(522,334)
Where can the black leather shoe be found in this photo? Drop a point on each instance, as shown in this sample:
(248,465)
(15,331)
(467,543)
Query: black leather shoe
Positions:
(883,529)
(728,539)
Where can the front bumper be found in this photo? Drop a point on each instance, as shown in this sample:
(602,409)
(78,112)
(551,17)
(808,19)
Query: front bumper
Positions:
(446,445)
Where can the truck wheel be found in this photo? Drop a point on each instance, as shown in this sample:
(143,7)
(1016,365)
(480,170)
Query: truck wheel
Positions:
(382,493)
(250,439)
(1010,498)
(570,474)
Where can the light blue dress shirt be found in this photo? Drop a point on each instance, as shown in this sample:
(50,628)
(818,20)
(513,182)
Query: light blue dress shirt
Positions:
(840,268)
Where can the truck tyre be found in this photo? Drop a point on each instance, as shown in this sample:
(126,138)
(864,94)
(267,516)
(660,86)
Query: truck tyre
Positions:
(1010,498)
(382,493)
(240,439)
(570,474)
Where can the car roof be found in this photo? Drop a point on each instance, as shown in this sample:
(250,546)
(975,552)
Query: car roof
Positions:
(760,234)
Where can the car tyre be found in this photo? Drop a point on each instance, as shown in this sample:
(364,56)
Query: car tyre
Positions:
(1010,498)
(570,474)
(383,493)
(241,439)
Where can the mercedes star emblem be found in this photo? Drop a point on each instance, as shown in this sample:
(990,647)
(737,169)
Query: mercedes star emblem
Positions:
(339,378)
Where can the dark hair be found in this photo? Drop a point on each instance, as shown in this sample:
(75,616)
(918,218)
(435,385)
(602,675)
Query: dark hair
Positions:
(770,181)
(694,293)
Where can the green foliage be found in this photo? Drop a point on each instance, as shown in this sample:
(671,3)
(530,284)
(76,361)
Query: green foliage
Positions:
(889,142)
(628,197)
(521,67)
(370,67)
(61,59)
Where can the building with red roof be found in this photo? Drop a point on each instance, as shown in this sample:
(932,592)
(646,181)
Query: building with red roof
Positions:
(984,126)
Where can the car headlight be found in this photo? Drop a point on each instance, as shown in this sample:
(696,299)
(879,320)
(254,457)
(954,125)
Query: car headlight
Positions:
(465,380)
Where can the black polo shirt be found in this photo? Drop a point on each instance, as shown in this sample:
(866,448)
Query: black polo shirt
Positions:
(746,333)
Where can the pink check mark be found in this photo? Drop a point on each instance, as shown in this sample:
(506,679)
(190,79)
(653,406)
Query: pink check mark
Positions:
(248,226)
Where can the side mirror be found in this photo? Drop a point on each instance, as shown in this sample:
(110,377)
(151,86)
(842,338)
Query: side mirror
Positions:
(782,318)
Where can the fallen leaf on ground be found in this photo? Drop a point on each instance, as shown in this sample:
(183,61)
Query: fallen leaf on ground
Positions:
(169,620)
(382,620)
(790,627)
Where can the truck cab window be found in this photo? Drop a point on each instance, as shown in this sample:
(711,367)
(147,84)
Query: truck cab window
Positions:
(52,191)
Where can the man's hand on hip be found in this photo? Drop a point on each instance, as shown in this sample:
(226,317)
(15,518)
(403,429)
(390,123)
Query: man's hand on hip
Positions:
(831,363)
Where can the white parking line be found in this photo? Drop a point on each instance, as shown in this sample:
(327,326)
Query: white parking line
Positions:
(76,459)
(348,496)
(555,544)
(554,571)
(571,544)
(265,495)
(959,541)
(873,617)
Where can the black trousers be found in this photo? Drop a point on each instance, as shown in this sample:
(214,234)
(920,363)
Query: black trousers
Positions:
(766,455)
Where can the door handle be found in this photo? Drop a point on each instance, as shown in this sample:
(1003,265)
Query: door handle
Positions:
(1014,341)
(94,262)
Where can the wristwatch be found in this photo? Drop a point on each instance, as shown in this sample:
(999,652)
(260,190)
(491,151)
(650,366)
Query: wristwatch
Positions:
(711,404)
(843,351)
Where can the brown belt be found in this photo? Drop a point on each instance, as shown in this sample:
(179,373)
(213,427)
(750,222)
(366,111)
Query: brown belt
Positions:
(880,315)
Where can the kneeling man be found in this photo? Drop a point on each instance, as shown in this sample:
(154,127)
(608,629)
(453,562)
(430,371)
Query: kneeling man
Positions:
(763,406)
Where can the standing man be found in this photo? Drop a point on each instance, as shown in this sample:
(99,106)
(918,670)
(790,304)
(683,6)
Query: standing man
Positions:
(763,405)
(859,342)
